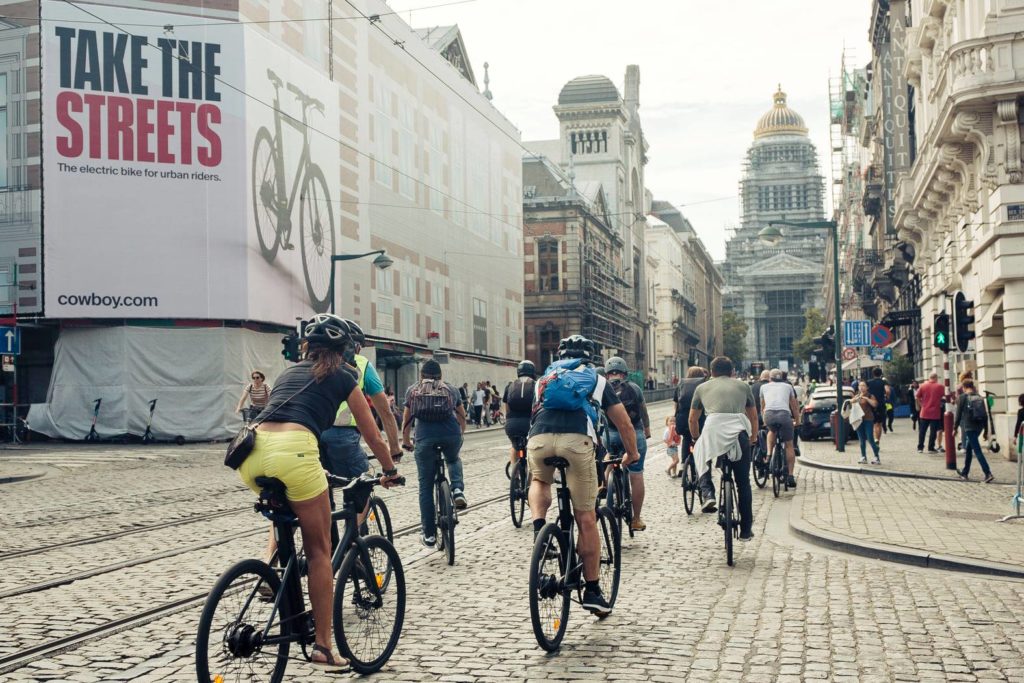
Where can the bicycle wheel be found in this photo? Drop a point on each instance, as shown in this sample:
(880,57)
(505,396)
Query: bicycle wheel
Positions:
(378,520)
(446,521)
(727,519)
(611,556)
(627,500)
(776,479)
(760,467)
(316,227)
(265,202)
(229,643)
(689,484)
(549,599)
(366,625)
(517,493)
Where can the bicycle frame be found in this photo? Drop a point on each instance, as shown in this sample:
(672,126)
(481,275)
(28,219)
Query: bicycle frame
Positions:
(571,563)
(304,158)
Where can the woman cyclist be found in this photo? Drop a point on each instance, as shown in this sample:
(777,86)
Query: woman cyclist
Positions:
(287,448)
(258,393)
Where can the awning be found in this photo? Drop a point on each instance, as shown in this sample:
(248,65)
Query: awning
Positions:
(994,310)
(899,347)
(864,362)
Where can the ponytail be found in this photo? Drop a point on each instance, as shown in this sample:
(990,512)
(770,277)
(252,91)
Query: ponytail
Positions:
(325,362)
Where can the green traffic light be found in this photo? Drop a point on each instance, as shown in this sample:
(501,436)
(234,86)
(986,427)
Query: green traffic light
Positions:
(940,338)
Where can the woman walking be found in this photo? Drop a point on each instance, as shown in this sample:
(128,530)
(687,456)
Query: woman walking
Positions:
(972,415)
(915,408)
(866,428)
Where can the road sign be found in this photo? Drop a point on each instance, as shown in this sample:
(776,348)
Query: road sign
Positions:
(849,353)
(857,333)
(10,340)
(881,335)
(8,363)
(881,354)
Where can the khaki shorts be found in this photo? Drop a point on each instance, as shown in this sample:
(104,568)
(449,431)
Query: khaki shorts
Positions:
(581,475)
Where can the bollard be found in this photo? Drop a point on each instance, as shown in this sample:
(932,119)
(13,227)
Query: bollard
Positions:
(949,438)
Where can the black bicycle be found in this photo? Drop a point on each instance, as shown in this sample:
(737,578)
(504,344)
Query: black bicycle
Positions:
(378,520)
(255,612)
(620,497)
(759,458)
(728,518)
(272,201)
(519,483)
(777,467)
(445,515)
(556,570)
(691,489)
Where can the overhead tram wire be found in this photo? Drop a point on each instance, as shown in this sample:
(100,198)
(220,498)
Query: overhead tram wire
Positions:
(285,114)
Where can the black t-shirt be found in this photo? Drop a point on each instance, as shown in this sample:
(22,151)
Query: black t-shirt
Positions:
(317,405)
(684,397)
(876,387)
(521,394)
(632,398)
(755,389)
(550,421)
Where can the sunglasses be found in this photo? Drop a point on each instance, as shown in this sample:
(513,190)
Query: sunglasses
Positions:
(257,377)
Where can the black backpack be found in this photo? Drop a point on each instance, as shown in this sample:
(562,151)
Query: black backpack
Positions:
(631,397)
(684,397)
(519,396)
(976,409)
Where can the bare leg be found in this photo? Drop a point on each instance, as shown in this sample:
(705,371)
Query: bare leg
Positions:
(271,546)
(315,520)
(589,544)
(790,457)
(539,498)
(636,485)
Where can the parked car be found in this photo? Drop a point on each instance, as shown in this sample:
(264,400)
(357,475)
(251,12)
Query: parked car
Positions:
(814,416)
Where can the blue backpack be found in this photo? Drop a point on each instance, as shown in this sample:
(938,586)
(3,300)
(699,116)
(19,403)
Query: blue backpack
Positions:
(569,385)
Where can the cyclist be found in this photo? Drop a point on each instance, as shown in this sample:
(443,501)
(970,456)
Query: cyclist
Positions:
(258,393)
(287,448)
(518,400)
(632,398)
(570,433)
(440,419)
(755,389)
(780,411)
(339,445)
(731,419)
(695,376)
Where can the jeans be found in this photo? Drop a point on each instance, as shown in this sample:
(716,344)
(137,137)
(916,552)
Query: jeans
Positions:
(973,444)
(426,468)
(615,445)
(923,425)
(866,435)
(740,475)
(341,453)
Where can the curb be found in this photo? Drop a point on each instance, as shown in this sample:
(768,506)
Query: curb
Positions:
(893,553)
(857,469)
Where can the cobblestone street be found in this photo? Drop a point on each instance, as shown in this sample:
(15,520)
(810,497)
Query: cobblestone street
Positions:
(135,529)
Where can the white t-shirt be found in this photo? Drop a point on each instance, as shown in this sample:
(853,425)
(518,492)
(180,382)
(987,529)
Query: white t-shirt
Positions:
(478,397)
(776,395)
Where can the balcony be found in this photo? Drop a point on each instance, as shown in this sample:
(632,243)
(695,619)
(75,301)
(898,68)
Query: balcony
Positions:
(689,333)
(872,199)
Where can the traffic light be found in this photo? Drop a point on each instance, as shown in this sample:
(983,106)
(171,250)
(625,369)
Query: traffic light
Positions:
(826,344)
(963,318)
(940,332)
(290,344)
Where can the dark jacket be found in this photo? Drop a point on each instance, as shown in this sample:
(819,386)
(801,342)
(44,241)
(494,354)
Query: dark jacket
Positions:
(963,414)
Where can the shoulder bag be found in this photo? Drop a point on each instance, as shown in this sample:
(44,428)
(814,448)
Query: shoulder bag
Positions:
(241,446)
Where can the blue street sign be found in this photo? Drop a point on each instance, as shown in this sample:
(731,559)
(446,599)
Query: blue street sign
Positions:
(10,340)
(857,333)
(880,354)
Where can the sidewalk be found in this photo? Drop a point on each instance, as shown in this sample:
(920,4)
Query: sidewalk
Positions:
(920,514)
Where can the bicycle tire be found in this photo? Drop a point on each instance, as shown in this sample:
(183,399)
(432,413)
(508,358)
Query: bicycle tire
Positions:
(378,520)
(689,484)
(446,519)
(268,248)
(727,519)
(260,571)
(627,500)
(611,555)
(517,493)
(760,467)
(547,588)
(321,238)
(775,472)
(355,604)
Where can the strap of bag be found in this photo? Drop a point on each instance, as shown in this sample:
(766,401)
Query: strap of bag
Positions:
(276,408)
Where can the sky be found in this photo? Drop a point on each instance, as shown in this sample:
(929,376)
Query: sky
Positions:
(708,71)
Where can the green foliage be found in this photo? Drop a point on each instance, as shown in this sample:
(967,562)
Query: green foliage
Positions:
(900,372)
(814,325)
(734,337)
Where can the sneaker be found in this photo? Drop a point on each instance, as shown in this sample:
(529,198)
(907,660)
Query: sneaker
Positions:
(429,541)
(709,504)
(791,481)
(460,499)
(638,525)
(920,449)
(862,461)
(876,461)
(933,450)
(594,602)
(963,477)
(989,478)
(748,536)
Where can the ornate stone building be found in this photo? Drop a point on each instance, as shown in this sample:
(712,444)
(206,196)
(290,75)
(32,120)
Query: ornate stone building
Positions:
(771,287)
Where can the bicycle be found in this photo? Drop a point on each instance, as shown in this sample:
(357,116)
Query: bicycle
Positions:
(445,515)
(93,435)
(147,436)
(556,570)
(691,489)
(619,497)
(378,520)
(759,458)
(273,202)
(260,624)
(728,519)
(777,467)
(519,484)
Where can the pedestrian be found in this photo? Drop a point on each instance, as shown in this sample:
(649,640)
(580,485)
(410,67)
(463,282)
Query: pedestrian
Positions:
(478,404)
(464,397)
(890,406)
(1019,427)
(258,393)
(930,395)
(915,407)
(866,429)
(671,439)
(972,414)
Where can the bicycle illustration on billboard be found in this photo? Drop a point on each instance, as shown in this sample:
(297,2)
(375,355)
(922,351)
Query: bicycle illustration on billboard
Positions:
(273,203)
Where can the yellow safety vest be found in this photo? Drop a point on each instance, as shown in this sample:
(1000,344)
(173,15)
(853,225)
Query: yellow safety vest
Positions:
(345,418)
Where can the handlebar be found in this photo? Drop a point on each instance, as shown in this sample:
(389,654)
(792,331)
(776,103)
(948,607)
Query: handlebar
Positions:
(365,479)
(306,100)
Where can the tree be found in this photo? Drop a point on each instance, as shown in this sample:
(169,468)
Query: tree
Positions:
(814,325)
(899,373)
(734,337)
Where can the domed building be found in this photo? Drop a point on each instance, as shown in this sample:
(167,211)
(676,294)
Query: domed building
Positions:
(771,287)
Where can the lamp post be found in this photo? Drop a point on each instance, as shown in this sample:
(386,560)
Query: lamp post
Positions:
(773,235)
(383,262)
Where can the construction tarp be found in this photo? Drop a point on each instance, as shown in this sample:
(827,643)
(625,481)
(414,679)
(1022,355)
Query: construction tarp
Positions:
(197,376)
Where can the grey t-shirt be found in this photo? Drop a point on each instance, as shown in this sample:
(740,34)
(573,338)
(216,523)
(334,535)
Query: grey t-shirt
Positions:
(722,395)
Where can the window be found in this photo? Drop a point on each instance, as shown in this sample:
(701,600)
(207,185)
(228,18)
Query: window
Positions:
(408,286)
(479,326)
(385,315)
(3,130)
(408,321)
(547,266)
(383,281)
(437,324)
(548,339)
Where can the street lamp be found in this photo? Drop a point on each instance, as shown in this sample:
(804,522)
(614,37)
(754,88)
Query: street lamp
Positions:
(773,235)
(383,262)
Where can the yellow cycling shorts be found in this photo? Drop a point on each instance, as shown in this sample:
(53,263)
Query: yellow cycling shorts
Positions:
(293,457)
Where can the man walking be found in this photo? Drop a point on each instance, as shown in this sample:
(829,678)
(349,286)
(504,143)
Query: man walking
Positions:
(877,388)
(929,396)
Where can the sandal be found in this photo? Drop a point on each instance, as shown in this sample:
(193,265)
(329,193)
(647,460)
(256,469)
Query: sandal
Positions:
(330,662)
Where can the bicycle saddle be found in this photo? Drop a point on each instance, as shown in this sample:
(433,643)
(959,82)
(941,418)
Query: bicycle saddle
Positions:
(273,78)
(273,503)
(556,461)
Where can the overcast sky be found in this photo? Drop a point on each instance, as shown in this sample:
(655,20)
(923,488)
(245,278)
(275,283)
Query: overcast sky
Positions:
(707,73)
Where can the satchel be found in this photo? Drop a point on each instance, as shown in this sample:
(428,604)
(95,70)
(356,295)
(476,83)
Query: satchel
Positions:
(241,446)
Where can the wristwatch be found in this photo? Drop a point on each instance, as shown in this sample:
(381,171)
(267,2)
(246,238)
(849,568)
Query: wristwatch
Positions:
(390,473)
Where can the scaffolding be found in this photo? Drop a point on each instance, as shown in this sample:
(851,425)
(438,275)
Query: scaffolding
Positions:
(605,313)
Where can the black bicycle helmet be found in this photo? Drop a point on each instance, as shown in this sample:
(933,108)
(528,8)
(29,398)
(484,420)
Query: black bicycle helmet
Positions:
(355,332)
(526,368)
(329,331)
(576,346)
(616,364)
